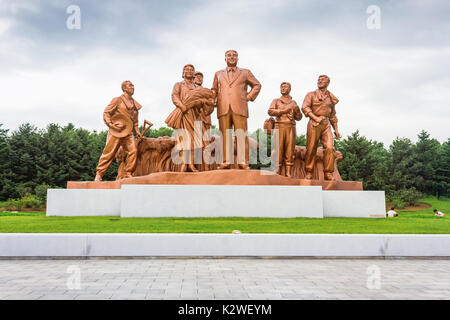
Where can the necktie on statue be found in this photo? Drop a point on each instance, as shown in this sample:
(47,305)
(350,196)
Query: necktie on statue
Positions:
(230,75)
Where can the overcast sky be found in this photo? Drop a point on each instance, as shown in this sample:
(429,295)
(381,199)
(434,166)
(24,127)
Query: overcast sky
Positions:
(393,81)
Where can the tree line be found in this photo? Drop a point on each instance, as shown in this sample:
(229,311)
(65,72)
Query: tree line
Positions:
(33,159)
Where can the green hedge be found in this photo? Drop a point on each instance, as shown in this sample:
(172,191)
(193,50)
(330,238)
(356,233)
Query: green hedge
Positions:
(28,201)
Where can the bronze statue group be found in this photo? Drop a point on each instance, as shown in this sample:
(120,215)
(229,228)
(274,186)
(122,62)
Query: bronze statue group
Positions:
(229,96)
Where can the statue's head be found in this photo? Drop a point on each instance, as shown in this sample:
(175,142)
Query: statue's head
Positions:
(231,57)
(128,87)
(285,88)
(323,81)
(198,78)
(188,71)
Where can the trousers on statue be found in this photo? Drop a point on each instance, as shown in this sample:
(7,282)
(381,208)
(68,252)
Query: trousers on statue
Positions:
(323,133)
(112,145)
(239,124)
(286,143)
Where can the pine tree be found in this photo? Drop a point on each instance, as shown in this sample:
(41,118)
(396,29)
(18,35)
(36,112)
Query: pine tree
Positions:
(6,183)
(399,164)
(25,150)
(425,163)
(443,170)
(362,161)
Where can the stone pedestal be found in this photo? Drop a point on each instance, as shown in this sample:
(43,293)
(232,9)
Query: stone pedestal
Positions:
(221,201)
(83,202)
(219,193)
(354,204)
(217,177)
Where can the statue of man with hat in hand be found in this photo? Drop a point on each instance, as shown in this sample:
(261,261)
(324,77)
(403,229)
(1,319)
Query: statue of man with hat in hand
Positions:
(121,116)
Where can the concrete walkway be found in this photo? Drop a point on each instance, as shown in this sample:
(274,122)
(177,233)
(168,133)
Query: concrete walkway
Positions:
(242,278)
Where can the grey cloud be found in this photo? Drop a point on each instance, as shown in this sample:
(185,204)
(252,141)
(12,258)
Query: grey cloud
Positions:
(39,27)
(392,81)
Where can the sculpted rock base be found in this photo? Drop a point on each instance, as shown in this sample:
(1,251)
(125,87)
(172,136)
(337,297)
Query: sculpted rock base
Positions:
(155,156)
(217,177)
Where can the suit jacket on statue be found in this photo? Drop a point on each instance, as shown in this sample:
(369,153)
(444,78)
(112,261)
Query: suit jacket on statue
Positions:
(232,93)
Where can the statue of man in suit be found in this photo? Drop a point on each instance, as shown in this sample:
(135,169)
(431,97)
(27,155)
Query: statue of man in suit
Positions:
(230,88)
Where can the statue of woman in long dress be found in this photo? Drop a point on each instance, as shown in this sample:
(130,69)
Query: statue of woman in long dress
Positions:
(189,100)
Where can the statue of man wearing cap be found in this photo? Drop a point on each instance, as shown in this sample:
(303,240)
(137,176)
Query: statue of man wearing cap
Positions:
(121,116)
(205,116)
(287,112)
(319,107)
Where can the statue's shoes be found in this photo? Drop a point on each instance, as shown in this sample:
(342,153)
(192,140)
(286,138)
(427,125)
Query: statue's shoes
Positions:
(328,176)
(192,168)
(224,166)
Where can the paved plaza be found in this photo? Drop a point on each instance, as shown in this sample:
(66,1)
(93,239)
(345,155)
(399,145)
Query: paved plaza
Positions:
(238,278)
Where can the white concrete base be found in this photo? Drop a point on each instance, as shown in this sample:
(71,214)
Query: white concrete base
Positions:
(215,201)
(83,202)
(221,201)
(354,204)
(277,245)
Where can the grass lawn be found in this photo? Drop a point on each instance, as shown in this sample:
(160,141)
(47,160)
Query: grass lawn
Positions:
(420,221)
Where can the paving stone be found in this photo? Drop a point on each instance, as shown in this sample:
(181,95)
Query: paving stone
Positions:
(58,297)
(240,279)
